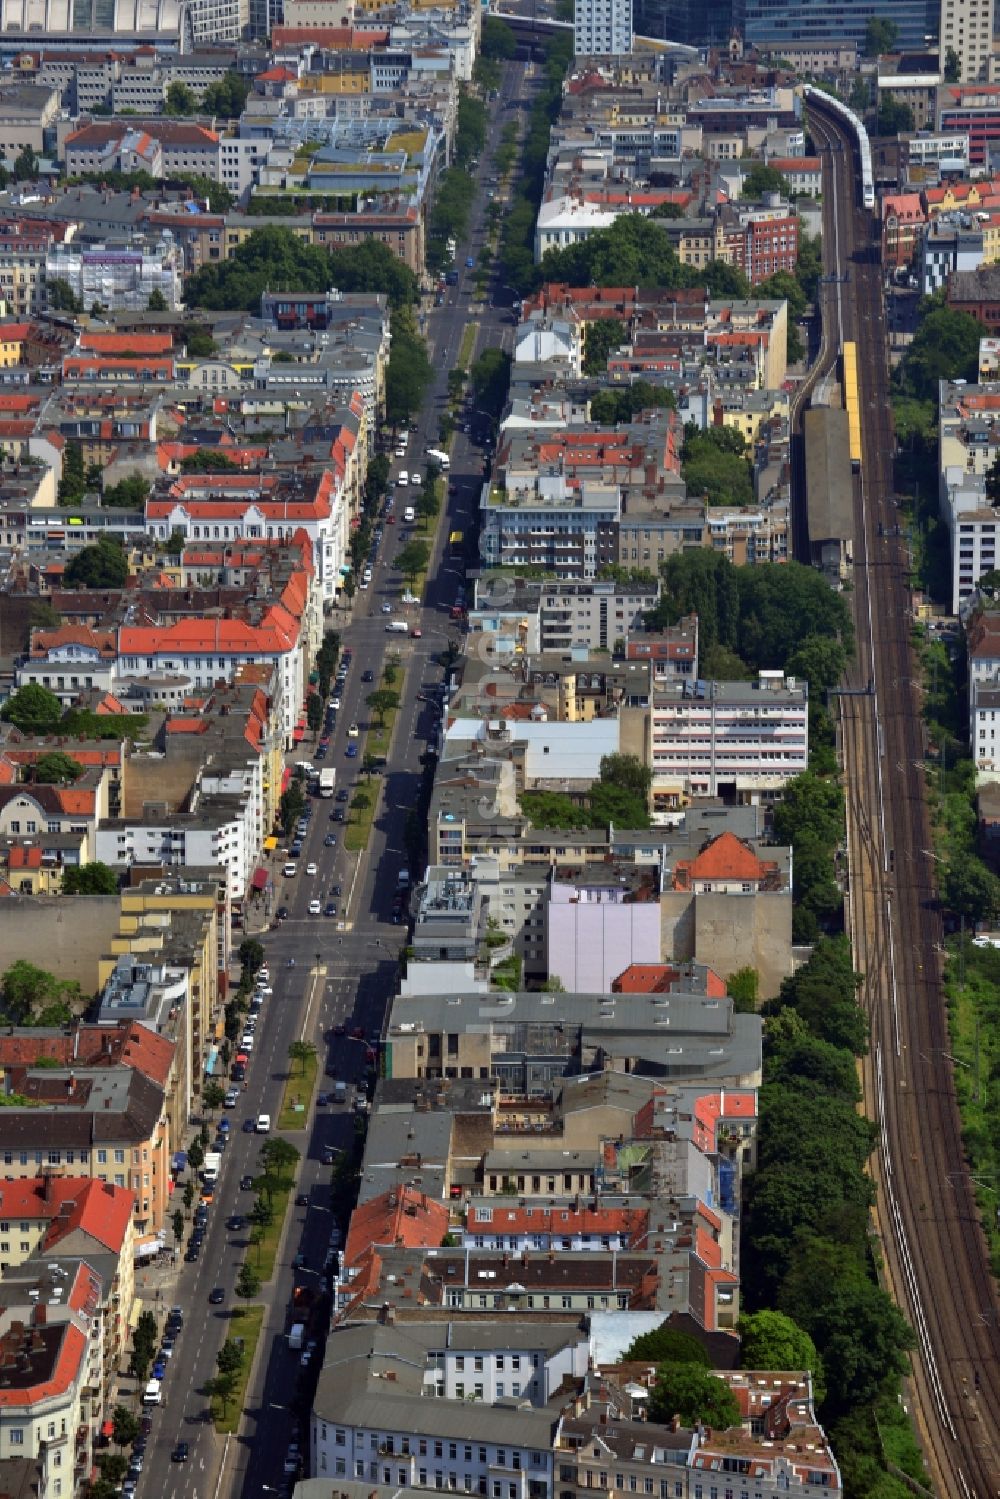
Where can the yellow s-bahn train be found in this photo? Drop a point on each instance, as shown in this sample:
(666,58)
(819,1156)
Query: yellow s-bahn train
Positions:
(850,374)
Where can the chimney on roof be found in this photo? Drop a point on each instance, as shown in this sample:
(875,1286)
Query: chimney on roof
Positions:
(387,1315)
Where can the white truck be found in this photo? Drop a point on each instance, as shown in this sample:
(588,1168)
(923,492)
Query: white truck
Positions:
(211,1168)
(440,457)
(327,780)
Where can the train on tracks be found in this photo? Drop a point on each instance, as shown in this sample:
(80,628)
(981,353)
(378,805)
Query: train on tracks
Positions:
(849,362)
(860,135)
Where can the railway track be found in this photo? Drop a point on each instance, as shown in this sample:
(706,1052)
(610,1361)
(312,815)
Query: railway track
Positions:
(935,1257)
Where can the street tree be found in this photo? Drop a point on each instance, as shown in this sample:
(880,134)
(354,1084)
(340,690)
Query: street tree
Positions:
(247,1282)
(124,1426)
(279,1158)
(251,954)
(177,1224)
(229,1359)
(221,1387)
(301,1052)
(381,702)
(213,1095)
(196,1155)
(291,806)
(413,559)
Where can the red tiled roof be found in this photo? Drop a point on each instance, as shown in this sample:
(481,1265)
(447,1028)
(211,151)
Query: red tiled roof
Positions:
(725,858)
(101,1210)
(401,1216)
(126,343)
(657,978)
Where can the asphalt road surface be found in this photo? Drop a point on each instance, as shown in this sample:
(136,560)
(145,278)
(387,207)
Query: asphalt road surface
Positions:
(345,967)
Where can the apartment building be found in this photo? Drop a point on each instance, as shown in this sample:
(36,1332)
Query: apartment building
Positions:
(24,246)
(968,443)
(222,832)
(258,506)
(109,1124)
(51,1400)
(69,660)
(371,1419)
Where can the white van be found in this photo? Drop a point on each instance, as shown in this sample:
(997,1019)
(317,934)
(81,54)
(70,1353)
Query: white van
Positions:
(403,479)
(397,627)
(153,1393)
(263,1125)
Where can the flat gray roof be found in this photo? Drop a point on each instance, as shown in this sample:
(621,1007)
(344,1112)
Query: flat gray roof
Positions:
(829,487)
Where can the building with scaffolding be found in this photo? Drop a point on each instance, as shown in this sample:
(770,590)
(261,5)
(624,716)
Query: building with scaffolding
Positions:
(120,277)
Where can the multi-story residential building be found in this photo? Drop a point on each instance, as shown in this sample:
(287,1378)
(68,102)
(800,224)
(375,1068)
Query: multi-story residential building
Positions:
(752,331)
(122,276)
(109,1123)
(761,241)
(746,739)
(977,292)
(221,831)
(69,660)
(52,1401)
(371,1418)
(259,506)
(968,443)
(983,645)
(524,615)
(973,110)
(903,222)
(24,246)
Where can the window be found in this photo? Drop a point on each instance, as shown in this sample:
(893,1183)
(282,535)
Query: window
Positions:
(17,1436)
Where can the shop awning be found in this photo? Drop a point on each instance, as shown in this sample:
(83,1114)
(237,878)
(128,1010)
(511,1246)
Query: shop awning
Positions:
(298,735)
(180,1160)
(260,878)
(286,776)
(210,1060)
(108,1429)
(147,1247)
(270,844)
